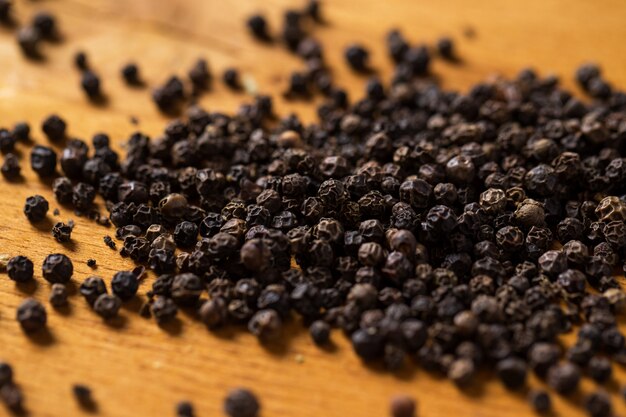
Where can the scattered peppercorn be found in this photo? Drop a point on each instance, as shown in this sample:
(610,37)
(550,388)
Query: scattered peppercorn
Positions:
(107,305)
(91,263)
(80,61)
(130,73)
(11,169)
(258,27)
(403,406)
(20,269)
(31,315)
(62,232)
(598,404)
(58,295)
(124,284)
(320,332)
(57,268)
(36,208)
(241,402)
(90,83)
(83,396)
(540,401)
(357,57)
(28,38)
(54,128)
(46,24)
(445,47)
(231,78)
(184,409)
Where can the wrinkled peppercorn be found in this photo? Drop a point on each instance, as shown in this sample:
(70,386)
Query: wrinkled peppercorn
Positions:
(31,315)
(57,268)
(20,269)
(107,305)
(58,295)
(241,402)
(124,284)
(62,232)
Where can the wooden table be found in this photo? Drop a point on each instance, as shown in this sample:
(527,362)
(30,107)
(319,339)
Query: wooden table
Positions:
(139,369)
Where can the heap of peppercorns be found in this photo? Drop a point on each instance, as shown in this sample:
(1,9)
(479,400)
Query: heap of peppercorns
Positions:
(461,231)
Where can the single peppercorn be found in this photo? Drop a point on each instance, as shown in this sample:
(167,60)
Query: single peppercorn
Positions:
(540,401)
(90,83)
(31,315)
(92,288)
(46,24)
(231,78)
(11,169)
(598,404)
(564,377)
(130,73)
(91,263)
(107,305)
(512,372)
(265,324)
(6,374)
(20,269)
(357,57)
(36,208)
(62,232)
(54,128)
(58,295)
(403,406)
(29,38)
(57,268)
(184,409)
(163,309)
(83,395)
(241,402)
(80,61)
(445,47)
(124,285)
(257,24)
(320,332)
(43,161)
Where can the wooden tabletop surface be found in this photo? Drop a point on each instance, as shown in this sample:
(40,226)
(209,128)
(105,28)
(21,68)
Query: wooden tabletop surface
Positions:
(138,369)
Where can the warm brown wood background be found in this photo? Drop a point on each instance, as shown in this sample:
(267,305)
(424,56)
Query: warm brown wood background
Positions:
(138,369)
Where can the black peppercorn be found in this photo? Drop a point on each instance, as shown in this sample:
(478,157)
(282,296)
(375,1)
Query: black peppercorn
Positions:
(124,284)
(46,24)
(540,401)
(163,309)
(58,295)
(31,315)
(241,402)
(62,232)
(512,372)
(57,268)
(258,27)
(184,409)
(107,305)
(92,288)
(28,38)
(403,406)
(598,404)
(231,78)
(20,269)
(130,73)
(564,377)
(11,167)
(357,57)
(43,160)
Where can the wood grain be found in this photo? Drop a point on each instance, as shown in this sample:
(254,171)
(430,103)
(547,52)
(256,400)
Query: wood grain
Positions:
(139,369)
